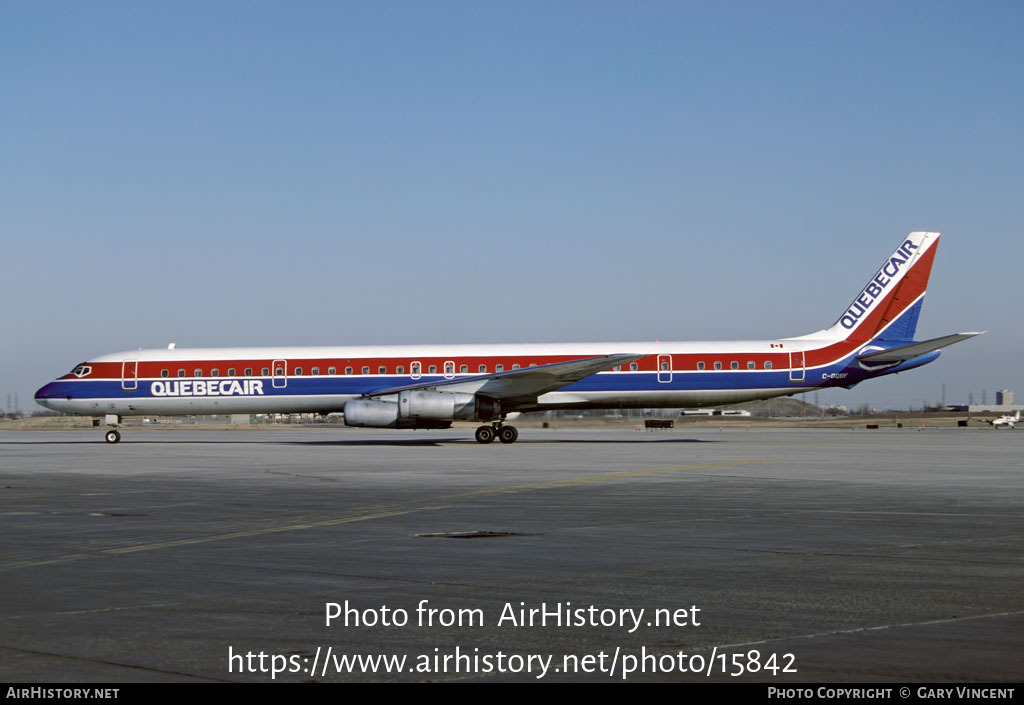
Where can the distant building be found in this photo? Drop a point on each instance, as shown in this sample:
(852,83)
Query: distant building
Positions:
(1004,397)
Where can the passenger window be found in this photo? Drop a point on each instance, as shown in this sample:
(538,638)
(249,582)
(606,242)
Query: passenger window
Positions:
(332,370)
(482,368)
(297,371)
(248,372)
(198,372)
(181,373)
(734,365)
(348,370)
(400,370)
(315,371)
(617,368)
(768,365)
(214,372)
(633,367)
(499,368)
(534,364)
(751,365)
(463,368)
(664,367)
(515,366)
(266,371)
(416,369)
(231,372)
(433,369)
(382,370)
(700,365)
(279,371)
(164,373)
(366,370)
(718,365)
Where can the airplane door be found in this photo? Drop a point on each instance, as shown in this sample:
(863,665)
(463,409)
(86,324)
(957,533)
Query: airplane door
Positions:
(130,375)
(280,378)
(796,367)
(664,368)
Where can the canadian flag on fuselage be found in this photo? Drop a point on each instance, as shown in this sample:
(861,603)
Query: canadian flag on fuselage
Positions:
(888,306)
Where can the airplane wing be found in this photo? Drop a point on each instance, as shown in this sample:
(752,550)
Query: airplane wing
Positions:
(525,384)
(907,352)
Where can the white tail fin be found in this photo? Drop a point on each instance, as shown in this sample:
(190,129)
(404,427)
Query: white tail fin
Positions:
(889,304)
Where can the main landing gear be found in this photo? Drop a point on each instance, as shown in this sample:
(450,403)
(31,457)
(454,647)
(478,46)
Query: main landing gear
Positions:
(505,434)
(113,435)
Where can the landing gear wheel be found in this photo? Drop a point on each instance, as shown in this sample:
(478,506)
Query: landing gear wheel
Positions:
(508,434)
(113,436)
(484,434)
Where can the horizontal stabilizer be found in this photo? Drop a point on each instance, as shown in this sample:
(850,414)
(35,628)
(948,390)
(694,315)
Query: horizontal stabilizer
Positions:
(908,352)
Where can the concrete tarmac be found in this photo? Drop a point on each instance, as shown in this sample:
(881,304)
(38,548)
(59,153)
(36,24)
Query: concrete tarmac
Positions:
(782,555)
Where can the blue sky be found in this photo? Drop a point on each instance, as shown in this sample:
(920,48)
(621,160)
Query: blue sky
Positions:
(247,173)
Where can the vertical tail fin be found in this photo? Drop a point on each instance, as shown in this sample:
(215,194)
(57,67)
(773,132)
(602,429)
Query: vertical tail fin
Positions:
(888,306)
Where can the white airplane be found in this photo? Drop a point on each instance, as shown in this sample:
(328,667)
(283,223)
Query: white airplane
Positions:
(432,386)
(1006,420)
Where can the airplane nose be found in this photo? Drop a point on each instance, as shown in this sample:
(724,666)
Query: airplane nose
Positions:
(46,393)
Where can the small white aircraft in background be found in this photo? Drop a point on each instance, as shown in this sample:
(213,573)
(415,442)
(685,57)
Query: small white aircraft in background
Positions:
(1007,420)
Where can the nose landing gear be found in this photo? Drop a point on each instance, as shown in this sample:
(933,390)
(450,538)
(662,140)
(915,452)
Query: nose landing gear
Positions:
(112,435)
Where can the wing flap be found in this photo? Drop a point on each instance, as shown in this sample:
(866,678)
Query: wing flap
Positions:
(529,382)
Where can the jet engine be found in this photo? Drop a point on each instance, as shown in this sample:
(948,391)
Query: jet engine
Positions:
(418,408)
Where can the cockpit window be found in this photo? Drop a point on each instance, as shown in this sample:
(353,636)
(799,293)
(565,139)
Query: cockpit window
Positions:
(81,371)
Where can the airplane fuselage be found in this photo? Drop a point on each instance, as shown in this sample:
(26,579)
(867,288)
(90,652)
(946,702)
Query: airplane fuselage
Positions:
(322,379)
